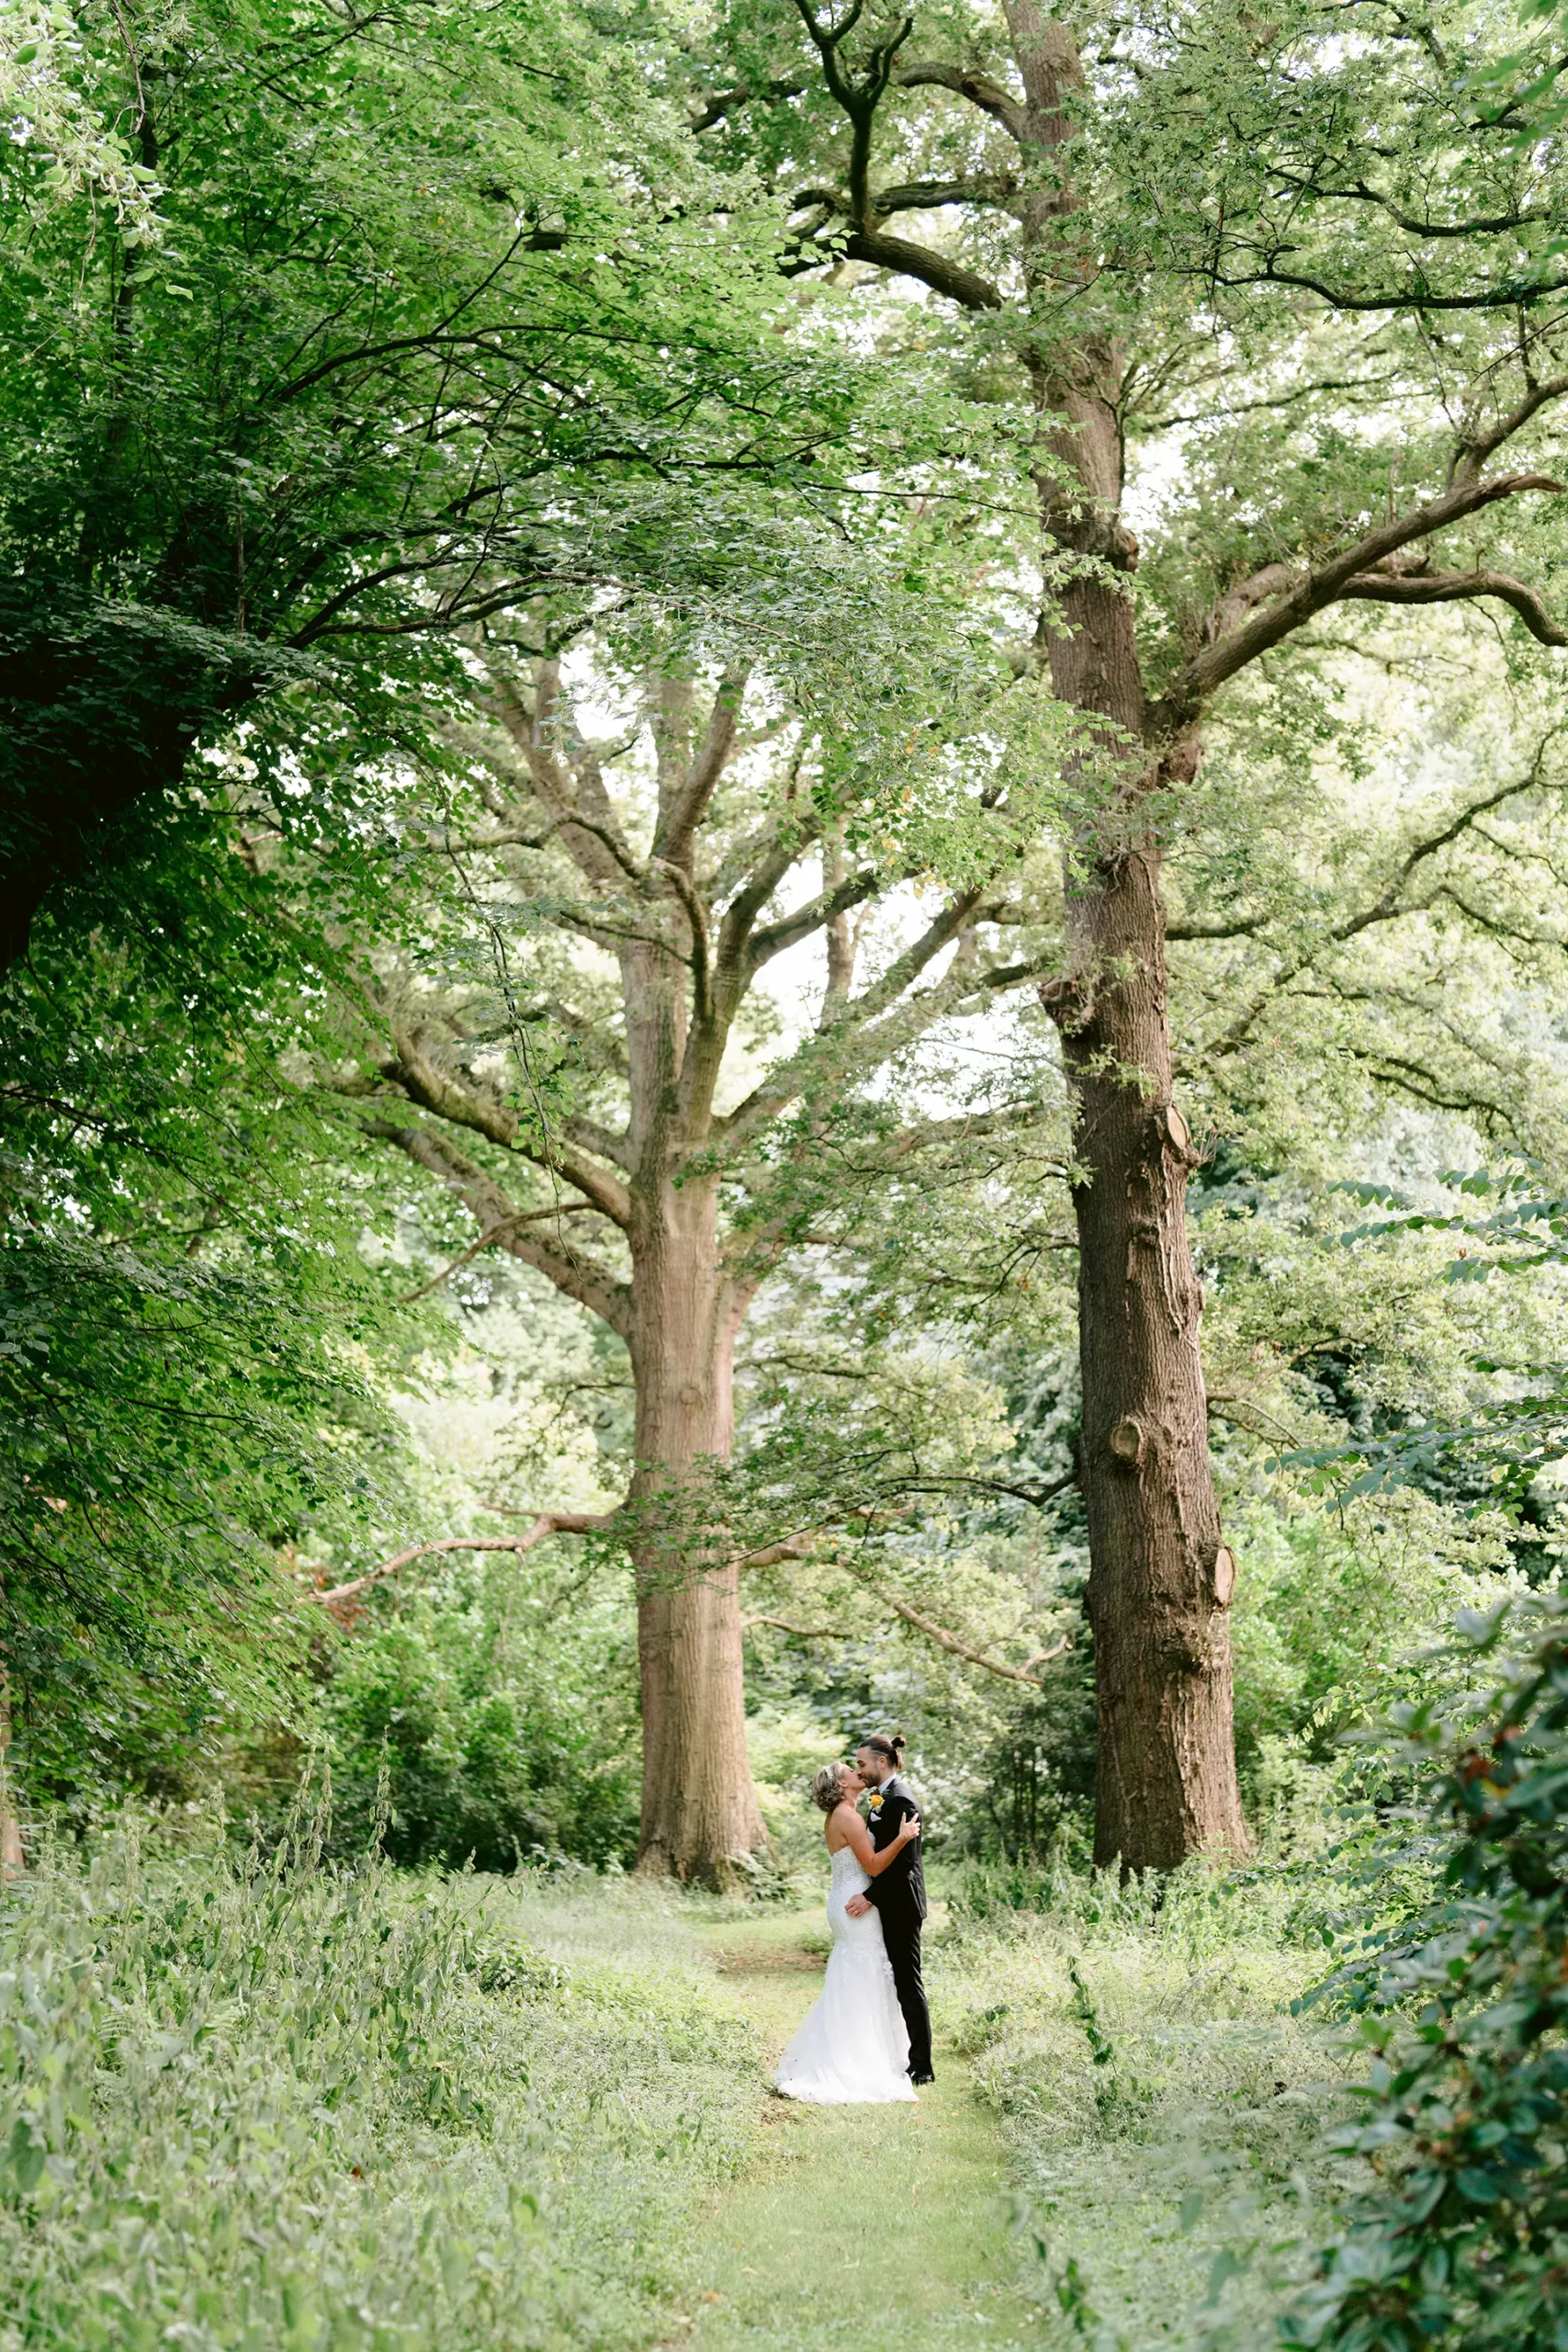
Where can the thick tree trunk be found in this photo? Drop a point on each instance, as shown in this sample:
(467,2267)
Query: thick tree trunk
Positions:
(700,1816)
(1160,1577)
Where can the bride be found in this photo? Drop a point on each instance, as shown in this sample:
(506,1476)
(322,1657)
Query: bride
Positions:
(852,2049)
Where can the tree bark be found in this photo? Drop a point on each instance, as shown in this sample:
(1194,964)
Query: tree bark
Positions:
(12,1859)
(1159,1576)
(700,1816)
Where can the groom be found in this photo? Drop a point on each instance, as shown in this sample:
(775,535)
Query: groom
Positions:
(899,1895)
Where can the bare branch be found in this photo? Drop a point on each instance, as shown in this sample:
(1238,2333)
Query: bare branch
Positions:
(1419,851)
(577,822)
(590,836)
(842,938)
(970,1124)
(1449,587)
(548,1522)
(793,827)
(593,1137)
(774,861)
(1508,294)
(857,1017)
(979,88)
(907,968)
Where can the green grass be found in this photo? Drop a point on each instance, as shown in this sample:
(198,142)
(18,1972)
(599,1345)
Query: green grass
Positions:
(284,2108)
(884,2229)
(1165,2112)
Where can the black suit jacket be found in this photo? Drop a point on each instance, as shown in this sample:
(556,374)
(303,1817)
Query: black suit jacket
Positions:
(900,1894)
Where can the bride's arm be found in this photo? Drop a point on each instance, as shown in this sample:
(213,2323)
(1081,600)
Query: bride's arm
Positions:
(857,1838)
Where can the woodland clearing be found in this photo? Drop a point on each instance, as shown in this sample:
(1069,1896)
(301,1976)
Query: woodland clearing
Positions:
(784,958)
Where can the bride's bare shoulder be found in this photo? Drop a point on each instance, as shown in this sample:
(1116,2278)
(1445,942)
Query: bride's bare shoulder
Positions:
(840,1826)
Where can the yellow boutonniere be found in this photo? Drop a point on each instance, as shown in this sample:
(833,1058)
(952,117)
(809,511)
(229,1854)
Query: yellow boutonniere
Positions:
(876,1801)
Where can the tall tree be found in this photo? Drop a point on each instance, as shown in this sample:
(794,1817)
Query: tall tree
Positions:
(1293,258)
(661,876)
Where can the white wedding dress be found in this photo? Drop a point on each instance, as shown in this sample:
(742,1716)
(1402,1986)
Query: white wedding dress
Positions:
(854,2049)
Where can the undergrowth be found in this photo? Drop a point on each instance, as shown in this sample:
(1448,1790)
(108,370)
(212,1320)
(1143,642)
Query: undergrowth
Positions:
(284,2106)
(1166,2111)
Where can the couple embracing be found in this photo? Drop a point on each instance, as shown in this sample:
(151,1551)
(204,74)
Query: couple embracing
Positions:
(868,2040)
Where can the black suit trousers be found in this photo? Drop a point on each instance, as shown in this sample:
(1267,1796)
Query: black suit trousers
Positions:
(901,1934)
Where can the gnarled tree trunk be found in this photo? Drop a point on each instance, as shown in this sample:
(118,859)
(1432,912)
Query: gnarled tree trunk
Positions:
(1160,1577)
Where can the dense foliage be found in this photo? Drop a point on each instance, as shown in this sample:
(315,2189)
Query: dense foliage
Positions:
(1462,2239)
(405,336)
(185,1374)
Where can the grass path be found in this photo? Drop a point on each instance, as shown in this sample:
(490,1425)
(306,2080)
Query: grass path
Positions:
(877,2228)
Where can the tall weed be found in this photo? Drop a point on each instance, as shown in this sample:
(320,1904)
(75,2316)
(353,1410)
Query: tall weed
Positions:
(287,2106)
(1164,2107)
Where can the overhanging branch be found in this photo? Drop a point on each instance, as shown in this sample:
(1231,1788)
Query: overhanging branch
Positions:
(1267,628)
(1450,587)
(487,1240)
(937,270)
(573,1271)
(979,88)
(548,1522)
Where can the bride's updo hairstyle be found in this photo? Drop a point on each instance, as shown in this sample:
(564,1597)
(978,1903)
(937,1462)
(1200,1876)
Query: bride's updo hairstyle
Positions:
(828,1788)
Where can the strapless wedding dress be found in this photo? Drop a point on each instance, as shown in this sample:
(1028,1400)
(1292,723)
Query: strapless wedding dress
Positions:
(854,2049)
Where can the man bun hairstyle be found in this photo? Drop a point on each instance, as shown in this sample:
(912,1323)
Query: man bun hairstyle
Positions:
(890,1747)
(828,1788)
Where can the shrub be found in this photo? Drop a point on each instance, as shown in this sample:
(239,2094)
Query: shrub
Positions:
(492,1751)
(1462,2238)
